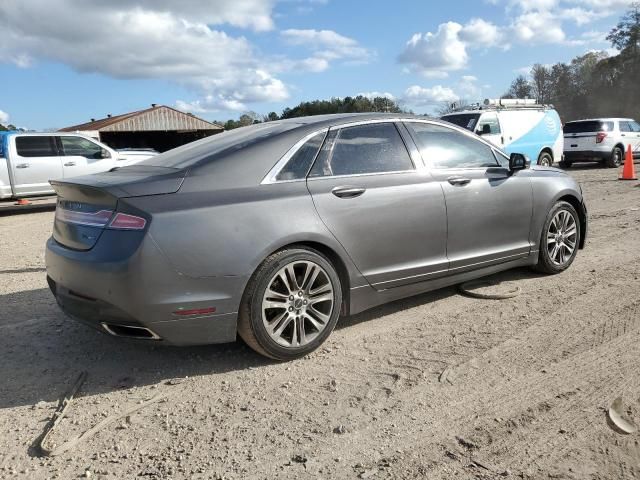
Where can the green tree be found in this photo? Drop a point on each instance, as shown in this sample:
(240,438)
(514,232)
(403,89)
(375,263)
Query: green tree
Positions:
(541,82)
(520,88)
(626,35)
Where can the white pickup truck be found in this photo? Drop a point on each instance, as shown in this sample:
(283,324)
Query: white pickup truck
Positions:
(29,160)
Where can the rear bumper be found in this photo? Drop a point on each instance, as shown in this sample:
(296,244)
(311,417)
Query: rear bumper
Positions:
(586,156)
(118,293)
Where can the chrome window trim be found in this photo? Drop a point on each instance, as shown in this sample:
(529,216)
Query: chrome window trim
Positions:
(349,175)
(271,177)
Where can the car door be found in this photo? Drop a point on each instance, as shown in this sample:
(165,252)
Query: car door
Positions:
(630,133)
(489,208)
(489,128)
(83,156)
(34,161)
(388,215)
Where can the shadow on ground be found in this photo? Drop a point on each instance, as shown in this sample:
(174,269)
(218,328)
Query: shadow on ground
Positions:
(43,351)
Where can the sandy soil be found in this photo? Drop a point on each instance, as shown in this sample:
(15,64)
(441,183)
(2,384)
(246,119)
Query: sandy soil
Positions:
(524,393)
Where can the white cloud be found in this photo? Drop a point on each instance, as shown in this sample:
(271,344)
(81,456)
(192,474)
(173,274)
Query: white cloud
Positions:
(435,54)
(151,39)
(538,27)
(4,117)
(421,96)
(480,33)
(327,46)
(372,95)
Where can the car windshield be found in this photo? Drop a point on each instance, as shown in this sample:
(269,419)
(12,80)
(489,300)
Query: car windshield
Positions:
(588,126)
(464,120)
(236,139)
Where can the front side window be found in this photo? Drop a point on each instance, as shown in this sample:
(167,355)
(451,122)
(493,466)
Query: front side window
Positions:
(34,146)
(299,164)
(488,125)
(81,147)
(445,147)
(373,148)
(635,127)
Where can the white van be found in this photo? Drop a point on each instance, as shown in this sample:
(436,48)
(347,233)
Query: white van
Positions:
(516,126)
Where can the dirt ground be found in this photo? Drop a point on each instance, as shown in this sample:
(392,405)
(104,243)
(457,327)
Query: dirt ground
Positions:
(524,393)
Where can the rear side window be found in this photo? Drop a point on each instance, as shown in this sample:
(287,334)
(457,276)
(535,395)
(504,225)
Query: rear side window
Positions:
(445,147)
(588,127)
(374,148)
(464,120)
(299,164)
(80,147)
(34,146)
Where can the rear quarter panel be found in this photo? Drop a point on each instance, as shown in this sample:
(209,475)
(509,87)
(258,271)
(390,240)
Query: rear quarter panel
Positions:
(228,233)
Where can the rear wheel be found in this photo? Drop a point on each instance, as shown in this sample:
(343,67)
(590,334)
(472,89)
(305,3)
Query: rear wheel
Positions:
(559,239)
(291,304)
(545,159)
(616,158)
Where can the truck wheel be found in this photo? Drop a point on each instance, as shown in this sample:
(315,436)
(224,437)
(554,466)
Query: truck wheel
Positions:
(616,158)
(545,159)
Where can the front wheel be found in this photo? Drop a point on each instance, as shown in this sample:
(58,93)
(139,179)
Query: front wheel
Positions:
(565,164)
(545,159)
(291,304)
(559,239)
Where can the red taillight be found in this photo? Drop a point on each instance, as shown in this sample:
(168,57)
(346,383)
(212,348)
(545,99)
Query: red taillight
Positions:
(124,221)
(600,137)
(94,219)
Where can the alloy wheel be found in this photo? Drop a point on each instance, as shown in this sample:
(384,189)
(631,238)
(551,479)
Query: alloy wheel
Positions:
(562,237)
(297,303)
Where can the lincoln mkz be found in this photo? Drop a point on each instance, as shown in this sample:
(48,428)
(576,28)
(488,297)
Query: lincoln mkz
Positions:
(273,231)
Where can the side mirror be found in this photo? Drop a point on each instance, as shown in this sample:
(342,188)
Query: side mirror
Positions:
(105,153)
(486,129)
(518,161)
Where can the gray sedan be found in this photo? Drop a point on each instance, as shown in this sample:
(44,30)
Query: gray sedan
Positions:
(275,230)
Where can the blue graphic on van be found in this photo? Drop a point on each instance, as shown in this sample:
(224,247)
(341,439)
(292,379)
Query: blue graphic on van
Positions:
(543,135)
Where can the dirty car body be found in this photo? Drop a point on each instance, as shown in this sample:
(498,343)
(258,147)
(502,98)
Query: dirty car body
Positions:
(165,249)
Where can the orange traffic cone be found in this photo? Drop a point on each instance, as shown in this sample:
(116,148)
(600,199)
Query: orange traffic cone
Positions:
(629,170)
(23,201)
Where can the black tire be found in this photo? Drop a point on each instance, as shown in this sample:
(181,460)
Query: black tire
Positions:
(615,160)
(565,164)
(545,263)
(251,327)
(545,159)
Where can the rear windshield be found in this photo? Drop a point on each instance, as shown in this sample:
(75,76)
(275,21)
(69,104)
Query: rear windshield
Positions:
(464,120)
(232,140)
(588,126)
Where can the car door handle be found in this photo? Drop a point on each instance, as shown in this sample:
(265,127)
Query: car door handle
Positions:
(458,180)
(70,164)
(622,135)
(22,165)
(348,191)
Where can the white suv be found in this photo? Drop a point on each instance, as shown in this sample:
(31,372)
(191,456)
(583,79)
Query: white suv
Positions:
(600,140)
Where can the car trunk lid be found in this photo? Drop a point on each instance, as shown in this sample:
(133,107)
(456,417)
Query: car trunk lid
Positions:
(88,205)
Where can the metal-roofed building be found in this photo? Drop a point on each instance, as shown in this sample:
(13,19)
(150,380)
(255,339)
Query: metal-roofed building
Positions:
(159,127)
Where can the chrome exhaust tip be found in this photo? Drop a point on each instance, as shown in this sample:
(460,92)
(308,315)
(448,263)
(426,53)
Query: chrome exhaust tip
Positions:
(129,331)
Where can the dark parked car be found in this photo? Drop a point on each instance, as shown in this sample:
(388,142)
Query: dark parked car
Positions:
(274,230)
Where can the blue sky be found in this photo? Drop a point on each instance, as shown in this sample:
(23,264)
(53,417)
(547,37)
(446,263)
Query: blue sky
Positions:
(220,58)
